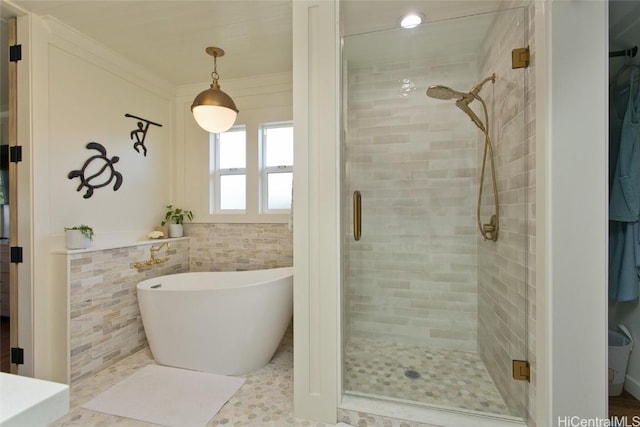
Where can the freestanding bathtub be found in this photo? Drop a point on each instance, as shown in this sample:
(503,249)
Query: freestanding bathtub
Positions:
(226,323)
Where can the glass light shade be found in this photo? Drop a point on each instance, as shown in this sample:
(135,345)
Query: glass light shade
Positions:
(214,110)
(412,20)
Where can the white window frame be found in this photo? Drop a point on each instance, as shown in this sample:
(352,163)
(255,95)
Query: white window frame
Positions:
(265,171)
(199,183)
(217,174)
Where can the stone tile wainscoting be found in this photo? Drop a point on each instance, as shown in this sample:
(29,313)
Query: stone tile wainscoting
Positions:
(104,319)
(231,247)
(105,324)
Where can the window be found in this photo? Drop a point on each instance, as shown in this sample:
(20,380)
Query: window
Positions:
(277,167)
(251,172)
(229,174)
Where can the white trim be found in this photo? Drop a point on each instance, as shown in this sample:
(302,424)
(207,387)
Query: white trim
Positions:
(575,212)
(215,182)
(26,270)
(316,240)
(264,171)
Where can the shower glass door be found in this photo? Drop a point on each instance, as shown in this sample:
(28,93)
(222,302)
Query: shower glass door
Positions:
(434,314)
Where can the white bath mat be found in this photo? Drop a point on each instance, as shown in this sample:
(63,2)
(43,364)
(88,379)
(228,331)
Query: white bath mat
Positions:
(167,396)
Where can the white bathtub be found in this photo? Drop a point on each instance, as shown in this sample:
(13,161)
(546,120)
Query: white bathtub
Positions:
(226,323)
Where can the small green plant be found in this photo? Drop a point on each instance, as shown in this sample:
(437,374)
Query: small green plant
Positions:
(176,216)
(84,229)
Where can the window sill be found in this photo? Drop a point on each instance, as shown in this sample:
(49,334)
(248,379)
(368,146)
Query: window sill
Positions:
(242,219)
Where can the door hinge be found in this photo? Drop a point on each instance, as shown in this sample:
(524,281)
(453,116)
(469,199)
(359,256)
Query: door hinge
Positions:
(521,370)
(520,58)
(17,355)
(15,153)
(16,254)
(15,53)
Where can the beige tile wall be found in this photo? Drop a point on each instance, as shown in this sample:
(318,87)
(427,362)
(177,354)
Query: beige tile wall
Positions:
(105,324)
(502,265)
(230,247)
(412,276)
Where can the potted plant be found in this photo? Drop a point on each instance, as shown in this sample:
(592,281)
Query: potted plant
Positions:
(175,218)
(78,236)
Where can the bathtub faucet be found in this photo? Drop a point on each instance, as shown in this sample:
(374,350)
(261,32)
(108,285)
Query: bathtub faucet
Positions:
(153,260)
(154,250)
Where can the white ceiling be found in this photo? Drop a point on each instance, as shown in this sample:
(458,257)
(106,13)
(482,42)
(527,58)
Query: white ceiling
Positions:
(170,36)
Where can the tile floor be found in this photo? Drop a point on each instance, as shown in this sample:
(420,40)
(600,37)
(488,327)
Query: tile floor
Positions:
(448,378)
(266,398)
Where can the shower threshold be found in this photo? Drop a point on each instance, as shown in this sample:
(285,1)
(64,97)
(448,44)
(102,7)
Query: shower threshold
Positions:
(354,406)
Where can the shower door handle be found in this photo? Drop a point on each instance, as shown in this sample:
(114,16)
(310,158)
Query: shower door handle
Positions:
(357,215)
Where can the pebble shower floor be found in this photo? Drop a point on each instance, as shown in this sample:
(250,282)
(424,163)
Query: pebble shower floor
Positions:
(450,378)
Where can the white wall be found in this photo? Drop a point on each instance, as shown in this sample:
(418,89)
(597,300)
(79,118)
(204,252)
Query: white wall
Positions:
(81,94)
(78,92)
(87,104)
(572,219)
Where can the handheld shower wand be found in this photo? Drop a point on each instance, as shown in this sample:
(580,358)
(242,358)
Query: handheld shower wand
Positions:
(489,231)
(463,104)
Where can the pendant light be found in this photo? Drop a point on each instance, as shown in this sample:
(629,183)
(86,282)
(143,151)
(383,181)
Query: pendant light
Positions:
(213,109)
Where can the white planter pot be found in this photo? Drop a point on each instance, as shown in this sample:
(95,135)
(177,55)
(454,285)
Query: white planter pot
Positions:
(76,240)
(176,230)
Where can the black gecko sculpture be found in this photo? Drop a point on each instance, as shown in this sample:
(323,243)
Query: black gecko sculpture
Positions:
(105,171)
(141,133)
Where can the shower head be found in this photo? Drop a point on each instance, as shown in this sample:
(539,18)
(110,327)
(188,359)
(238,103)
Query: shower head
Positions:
(462,99)
(446,93)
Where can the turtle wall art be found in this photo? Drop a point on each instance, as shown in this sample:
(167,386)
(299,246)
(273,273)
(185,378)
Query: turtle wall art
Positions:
(140,133)
(98,171)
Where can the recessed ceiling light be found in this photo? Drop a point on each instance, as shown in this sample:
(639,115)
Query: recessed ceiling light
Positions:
(411,20)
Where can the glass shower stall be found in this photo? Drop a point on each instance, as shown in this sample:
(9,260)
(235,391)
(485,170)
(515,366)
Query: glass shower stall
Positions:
(434,313)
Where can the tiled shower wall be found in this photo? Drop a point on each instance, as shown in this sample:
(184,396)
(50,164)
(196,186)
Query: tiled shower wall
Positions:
(502,272)
(231,247)
(105,324)
(412,276)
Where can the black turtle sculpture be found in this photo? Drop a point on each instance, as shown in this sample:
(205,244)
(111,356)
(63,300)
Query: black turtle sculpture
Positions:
(104,171)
